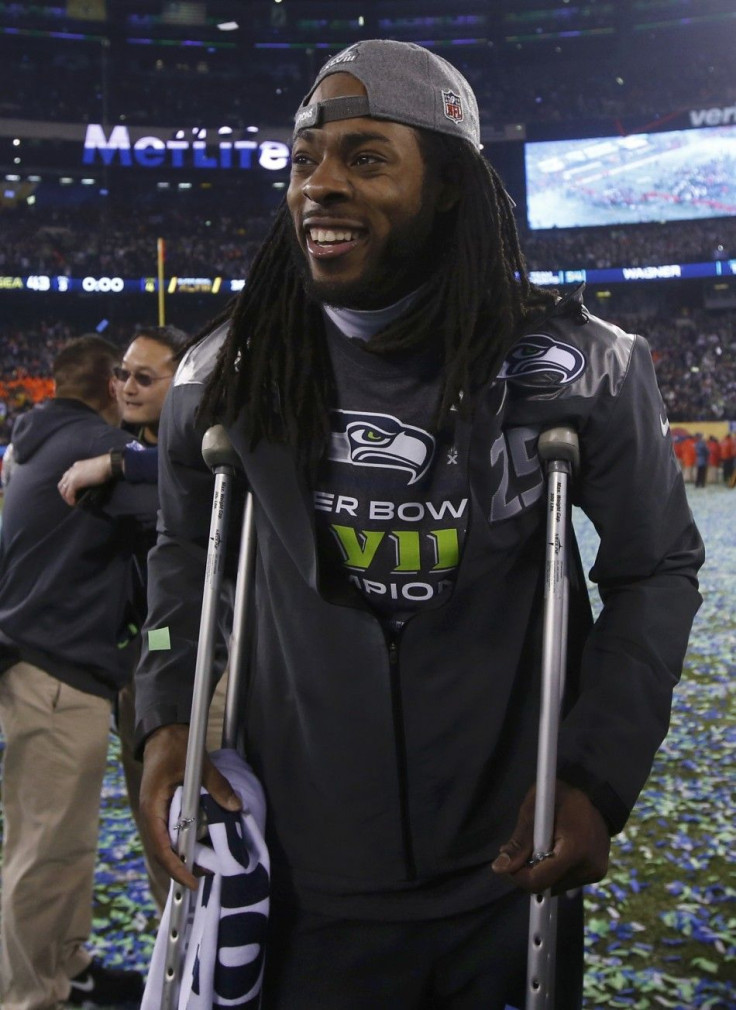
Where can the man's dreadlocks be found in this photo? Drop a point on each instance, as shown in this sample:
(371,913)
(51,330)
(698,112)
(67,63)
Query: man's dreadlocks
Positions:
(275,366)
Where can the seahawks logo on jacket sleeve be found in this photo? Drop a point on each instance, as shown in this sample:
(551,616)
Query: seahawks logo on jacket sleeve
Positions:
(380,440)
(539,360)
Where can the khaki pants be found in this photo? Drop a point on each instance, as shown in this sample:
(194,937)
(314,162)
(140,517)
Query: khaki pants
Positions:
(56,740)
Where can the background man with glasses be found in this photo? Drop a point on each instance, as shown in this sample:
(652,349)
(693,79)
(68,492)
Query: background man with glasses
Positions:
(143,380)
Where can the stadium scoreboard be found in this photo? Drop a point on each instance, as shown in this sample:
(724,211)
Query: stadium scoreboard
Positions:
(113,285)
(48,283)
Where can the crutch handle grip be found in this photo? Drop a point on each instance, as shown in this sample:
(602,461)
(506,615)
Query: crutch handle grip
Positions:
(560,443)
(217,449)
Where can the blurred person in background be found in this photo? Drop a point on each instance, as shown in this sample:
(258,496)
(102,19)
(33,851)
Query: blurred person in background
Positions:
(688,458)
(702,459)
(142,382)
(65,581)
(714,459)
(728,454)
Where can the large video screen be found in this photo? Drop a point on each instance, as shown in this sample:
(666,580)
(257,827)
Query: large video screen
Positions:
(672,176)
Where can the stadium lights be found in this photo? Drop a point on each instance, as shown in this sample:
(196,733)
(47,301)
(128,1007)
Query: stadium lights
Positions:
(228,26)
(16,142)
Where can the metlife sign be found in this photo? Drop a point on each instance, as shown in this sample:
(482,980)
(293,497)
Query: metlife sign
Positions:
(185,149)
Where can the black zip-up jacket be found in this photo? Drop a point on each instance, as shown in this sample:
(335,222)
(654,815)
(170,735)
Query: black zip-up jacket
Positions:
(65,573)
(395,766)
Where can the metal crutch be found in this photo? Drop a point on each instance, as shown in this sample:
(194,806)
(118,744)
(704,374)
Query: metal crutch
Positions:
(241,638)
(558,447)
(221,458)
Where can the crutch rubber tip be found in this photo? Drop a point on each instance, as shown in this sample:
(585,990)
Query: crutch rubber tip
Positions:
(560,443)
(217,449)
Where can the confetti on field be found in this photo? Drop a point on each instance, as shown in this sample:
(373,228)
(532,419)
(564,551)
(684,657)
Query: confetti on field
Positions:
(125,921)
(661,928)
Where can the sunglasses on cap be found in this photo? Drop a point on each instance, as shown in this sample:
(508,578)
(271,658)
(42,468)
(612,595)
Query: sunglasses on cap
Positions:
(141,378)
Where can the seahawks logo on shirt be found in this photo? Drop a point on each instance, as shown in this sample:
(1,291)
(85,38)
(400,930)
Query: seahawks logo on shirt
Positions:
(539,360)
(380,440)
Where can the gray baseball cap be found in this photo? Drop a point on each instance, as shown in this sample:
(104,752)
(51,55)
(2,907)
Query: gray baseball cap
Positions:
(406,83)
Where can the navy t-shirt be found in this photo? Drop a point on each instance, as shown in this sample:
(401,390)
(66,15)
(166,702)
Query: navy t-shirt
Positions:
(391,497)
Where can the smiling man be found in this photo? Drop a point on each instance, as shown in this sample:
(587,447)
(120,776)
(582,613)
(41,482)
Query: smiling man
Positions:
(376,246)
(145,376)
(142,382)
(384,377)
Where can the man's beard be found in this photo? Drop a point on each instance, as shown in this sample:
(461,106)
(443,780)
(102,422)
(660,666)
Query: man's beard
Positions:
(408,260)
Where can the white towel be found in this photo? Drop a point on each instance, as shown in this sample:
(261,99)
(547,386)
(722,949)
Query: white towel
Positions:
(226,934)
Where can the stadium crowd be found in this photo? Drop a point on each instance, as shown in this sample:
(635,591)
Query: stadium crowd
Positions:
(633,245)
(604,88)
(71,242)
(694,354)
(598,84)
(26,361)
(695,360)
(76,242)
(693,350)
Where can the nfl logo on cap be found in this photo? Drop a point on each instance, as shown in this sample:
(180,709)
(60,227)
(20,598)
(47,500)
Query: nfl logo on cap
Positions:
(404,83)
(453,106)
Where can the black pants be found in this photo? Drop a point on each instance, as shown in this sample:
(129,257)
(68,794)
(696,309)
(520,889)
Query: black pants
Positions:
(472,961)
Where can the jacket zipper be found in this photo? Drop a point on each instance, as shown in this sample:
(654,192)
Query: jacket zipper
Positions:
(401,762)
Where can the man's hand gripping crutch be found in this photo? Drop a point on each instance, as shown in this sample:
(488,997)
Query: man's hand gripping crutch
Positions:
(185,746)
(560,841)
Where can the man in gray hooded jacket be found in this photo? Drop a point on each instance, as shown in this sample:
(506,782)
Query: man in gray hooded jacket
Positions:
(64,582)
(384,378)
